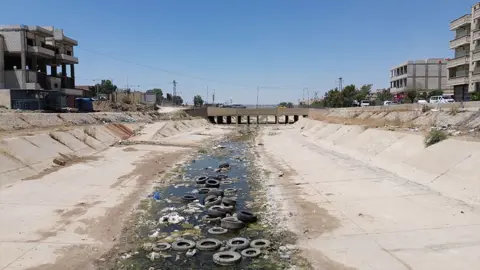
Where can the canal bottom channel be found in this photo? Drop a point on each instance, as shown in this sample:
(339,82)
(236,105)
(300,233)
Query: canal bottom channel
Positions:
(187,217)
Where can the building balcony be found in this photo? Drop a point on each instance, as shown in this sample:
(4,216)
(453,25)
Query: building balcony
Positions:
(475,76)
(458,78)
(464,20)
(40,51)
(458,61)
(398,90)
(476,34)
(463,40)
(68,82)
(475,55)
(67,59)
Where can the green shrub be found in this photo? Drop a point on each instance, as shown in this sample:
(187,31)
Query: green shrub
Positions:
(434,136)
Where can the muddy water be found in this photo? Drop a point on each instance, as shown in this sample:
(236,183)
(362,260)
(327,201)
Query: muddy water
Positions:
(192,226)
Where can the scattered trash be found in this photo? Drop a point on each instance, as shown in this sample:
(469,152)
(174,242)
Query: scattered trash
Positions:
(191,252)
(155,195)
(153,255)
(173,218)
(280,174)
(59,162)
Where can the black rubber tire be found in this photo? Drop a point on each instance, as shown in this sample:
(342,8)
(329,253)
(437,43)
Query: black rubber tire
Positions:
(238,243)
(229,201)
(260,243)
(214,211)
(216,192)
(212,183)
(231,223)
(251,252)
(227,182)
(217,230)
(183,245)
(224,165)
(163,246)
(203,190)
(226,258)
(189,198)
(226,208)
(212,200)
(201,180)
(246,216)
(208,244)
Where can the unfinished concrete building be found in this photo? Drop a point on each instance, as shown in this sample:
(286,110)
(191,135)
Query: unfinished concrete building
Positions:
(36,62)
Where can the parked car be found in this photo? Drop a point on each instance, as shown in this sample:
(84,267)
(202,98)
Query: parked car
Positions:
(364,103)
(439,99)
(387,103)
(422,101)
(449,98)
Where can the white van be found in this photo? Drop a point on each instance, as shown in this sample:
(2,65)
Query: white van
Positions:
(437,99)
(364,103)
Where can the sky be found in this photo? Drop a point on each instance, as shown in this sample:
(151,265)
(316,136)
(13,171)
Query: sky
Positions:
(234,46)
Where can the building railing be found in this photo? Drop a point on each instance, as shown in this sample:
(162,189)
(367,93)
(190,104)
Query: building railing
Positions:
(460,41)
(465,19)
(458,61)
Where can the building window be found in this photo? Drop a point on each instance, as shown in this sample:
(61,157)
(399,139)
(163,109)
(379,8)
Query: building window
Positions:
(30,42)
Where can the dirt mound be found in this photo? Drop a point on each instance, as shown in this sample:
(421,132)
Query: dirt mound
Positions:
(110,106)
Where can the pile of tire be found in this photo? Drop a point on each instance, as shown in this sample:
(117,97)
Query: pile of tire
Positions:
(240,247)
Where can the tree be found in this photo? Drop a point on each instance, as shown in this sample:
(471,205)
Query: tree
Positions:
(334,99)
(158,94)
(348,95)
(197,101)
(411,95)
(178,100)
(286,104)
(363,93)
(105,87)
(434,93)
(384,95)
(169,97)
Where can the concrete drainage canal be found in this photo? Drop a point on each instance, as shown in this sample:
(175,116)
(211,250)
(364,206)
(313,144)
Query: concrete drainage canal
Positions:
(211,216)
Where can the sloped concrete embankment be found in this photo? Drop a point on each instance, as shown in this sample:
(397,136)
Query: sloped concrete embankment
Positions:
(449,167)
(25,156)
(18,121)
(453,116)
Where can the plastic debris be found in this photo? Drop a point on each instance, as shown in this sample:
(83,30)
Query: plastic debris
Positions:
(173,218)
(191,252)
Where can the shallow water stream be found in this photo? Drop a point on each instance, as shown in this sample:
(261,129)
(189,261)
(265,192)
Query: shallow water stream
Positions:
(187,221)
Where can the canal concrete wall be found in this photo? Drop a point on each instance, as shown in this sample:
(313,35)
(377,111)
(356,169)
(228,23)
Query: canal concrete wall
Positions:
(449,167)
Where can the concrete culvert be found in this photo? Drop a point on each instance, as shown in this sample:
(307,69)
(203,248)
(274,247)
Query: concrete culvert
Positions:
(231,223)
(215,211)
(212,183)
(163,246)
(226,258)
(208,244)
(217,230)
(238,243)
(251,252)
(189,198)
(201,180)
(183,245)
(260,243)
(246,216)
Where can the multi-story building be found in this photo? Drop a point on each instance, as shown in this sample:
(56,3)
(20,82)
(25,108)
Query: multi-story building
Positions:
(464,68)
(421,75)
(36,58)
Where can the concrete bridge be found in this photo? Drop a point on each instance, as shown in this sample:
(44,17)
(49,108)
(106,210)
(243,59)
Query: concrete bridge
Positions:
(240,115)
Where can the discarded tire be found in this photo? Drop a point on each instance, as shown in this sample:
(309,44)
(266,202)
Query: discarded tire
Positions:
(215,211)
(226,208)
(203,190)
(251,252)
(246,216)
(224,165)
(217,230)
(208,244)
(211,200)
(238,243)
(260,243)
(216,192)
(183,245)
(210,219)
(231,223)
(201,180)
(189,198)
(229,201)
(226,258)
(229,191)
(227,182)
(161,246)
(212,183)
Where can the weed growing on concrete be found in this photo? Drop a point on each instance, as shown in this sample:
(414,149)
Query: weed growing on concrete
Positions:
(434,136)
(425,108)
(454,110)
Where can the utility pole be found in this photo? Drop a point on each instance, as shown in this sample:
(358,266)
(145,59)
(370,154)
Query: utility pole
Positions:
(258,90)
(207,95)
(174,93)
(340,84)
(213,97)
